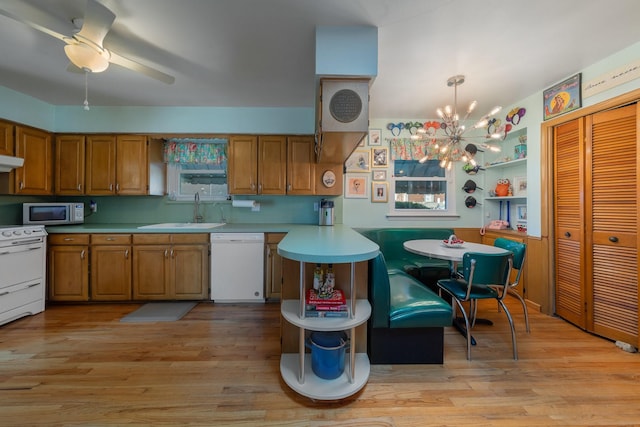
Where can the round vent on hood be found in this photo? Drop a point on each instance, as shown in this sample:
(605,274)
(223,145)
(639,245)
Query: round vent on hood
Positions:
(345,106)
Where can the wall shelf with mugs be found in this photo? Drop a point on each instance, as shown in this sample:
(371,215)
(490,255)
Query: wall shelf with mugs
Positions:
(505,182)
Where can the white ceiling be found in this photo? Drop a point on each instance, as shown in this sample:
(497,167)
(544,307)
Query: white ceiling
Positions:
(260,53)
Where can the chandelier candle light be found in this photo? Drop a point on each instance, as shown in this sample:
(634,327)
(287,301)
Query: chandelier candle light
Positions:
(448,146)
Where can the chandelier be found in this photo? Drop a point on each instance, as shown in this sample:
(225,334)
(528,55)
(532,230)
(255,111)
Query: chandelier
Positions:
(447,146)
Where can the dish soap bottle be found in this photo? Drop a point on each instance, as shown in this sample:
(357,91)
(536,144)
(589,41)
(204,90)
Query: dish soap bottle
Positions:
(317,277)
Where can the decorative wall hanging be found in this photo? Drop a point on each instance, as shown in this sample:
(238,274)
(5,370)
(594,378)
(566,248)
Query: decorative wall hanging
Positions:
(375,137)
(379,192)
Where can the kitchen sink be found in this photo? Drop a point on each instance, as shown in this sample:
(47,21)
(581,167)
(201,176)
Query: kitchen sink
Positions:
(183,225)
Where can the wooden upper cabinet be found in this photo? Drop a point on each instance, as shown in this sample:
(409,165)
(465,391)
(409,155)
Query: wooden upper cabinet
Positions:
(117,165)
(101,164)
(301,177)
(243,165)
(69,165)
(36,175)
(132,165)
(272,164)
(6,138)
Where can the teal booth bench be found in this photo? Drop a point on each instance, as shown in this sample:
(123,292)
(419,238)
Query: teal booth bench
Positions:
(407,317)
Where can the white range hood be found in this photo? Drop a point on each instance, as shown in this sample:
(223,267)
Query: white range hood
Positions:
(7,163)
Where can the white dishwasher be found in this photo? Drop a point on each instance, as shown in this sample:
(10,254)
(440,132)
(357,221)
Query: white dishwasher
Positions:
(237,267)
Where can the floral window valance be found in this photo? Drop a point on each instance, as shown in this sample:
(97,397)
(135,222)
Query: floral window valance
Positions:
(196,151)
(411,149)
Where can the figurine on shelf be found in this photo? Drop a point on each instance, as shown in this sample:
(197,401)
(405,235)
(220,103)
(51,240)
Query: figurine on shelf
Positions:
(502,187)
(510,191)
(329,284)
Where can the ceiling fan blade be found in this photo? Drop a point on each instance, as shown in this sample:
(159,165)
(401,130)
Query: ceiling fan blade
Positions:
(97,22)
(140,68)
(34,25)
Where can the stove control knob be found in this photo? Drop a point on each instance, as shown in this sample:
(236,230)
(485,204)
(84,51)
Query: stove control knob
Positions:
(27,231)
(17,232)
(6,233)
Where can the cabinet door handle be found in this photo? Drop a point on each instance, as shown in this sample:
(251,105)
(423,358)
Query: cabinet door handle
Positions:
(166,253)
(172,253)
(21,186)
(126,254)
(110,239)
(117,188)
(82,254)
(68,239)
(79,187)
(110,187)
(613,239)
(567,234)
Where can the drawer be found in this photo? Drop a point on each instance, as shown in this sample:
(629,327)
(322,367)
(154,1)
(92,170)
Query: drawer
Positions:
(110,239)
(187,238)
(68,239)
(152,239)
(16,296)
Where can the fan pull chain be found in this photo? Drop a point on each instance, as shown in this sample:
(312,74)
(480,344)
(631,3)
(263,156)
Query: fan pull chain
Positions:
(86,90)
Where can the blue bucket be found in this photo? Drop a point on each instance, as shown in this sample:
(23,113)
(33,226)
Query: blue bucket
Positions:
(327,353)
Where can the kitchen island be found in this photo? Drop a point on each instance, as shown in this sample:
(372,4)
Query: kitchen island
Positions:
(305,248)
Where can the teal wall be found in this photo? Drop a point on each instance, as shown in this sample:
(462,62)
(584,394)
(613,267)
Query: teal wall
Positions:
(294,209)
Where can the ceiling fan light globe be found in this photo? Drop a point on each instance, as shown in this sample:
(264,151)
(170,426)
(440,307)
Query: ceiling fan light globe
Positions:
(86,58)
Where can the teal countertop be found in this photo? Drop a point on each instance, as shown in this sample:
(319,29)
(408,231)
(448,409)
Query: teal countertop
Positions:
(133,228)
(327,245)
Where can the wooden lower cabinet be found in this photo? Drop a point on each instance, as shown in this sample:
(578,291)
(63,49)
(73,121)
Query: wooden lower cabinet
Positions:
(110,267)
(273,266)
(68,267)
(170,266)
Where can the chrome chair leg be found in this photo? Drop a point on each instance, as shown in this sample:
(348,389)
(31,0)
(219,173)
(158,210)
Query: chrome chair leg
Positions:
(513,330)
(524,308)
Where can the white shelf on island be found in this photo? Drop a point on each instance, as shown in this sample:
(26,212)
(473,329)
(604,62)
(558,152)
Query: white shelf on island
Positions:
(291,312)
(318,388)
(506,198)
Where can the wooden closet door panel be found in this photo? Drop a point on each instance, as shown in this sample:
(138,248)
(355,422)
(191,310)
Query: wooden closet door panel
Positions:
(612,224)
(569,219)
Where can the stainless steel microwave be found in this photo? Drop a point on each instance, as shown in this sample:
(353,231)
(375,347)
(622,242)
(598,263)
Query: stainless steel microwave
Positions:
(52,213)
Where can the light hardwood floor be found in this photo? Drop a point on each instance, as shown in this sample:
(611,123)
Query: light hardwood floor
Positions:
(219,365)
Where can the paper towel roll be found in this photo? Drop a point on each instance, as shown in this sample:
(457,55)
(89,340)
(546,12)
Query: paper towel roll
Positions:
(243,203)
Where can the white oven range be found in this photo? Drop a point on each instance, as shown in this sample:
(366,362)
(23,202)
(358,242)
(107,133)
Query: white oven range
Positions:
(22,271)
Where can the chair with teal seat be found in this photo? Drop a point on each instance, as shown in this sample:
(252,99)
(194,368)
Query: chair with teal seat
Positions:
(519,251)
(484,276)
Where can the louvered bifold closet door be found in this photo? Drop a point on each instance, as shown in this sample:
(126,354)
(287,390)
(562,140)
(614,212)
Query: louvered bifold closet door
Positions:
(612,227)
(569,220)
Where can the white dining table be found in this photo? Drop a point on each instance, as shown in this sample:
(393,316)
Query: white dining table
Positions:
(435,248)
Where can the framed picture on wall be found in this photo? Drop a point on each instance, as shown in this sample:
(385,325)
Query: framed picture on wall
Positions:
(379,175)
(356,187)
(375,137)
(358,161)
(521,213)
(379,192)
(520,186)
(562,97)
(380,157)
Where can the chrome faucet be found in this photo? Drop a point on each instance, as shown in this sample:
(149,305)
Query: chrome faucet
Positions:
(196,209)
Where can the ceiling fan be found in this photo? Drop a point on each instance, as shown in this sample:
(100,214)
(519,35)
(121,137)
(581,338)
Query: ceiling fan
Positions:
(84,48)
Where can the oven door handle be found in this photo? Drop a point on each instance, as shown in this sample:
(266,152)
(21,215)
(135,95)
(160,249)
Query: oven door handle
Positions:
(26,241)
(19,249)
